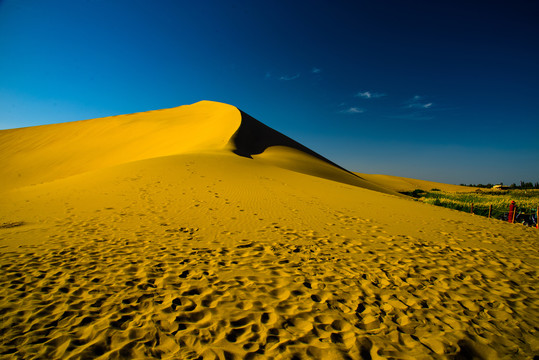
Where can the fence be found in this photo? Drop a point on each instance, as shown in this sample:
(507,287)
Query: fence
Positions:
(518,215)
(492,204)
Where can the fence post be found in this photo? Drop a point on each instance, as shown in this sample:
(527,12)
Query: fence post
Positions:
(537,218)
(471,210)
(489,210)
(511,215)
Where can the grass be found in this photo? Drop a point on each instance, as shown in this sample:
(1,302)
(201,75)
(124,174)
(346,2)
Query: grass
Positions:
(526,201)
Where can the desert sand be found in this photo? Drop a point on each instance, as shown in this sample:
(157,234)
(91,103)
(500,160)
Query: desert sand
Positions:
(402,184)
(200,233)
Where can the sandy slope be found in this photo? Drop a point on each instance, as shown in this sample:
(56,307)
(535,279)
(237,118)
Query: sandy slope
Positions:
(401,184)
(186,250)
(44,153)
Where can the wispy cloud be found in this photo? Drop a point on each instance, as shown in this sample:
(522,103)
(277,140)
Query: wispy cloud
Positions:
(369,94)
(419,106)
(418,102)
(316,70)
(288,78)
(352,110)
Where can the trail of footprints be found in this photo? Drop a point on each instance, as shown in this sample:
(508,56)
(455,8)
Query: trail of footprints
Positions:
(307,296)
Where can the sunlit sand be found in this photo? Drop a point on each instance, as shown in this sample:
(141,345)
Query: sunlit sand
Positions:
(199,232)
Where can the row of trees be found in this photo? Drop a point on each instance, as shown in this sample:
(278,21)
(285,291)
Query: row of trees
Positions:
(523,185)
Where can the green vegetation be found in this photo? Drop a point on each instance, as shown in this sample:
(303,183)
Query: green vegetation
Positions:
(523,185)
(526,202)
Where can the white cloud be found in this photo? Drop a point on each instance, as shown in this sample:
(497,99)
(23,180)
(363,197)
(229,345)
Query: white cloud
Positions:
(419,106)
(418,102)
(288,78)
(369,95)
(316,70)
(353,110)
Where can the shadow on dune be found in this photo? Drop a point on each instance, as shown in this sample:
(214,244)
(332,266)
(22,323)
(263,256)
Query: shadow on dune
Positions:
(253,138)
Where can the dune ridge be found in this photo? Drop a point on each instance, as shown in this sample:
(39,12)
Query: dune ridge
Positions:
(200,253)
(258,141)
(45,153)
(254,137)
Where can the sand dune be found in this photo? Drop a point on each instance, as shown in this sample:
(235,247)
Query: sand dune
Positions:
(40,154)
(177,248)
(46,153)
(402,184)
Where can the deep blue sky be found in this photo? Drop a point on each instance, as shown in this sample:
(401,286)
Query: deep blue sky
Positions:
(438,90)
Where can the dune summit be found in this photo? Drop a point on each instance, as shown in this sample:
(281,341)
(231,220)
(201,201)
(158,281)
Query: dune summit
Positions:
(50,152)
(199,232)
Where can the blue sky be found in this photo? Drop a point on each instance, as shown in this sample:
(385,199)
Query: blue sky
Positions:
(437,90)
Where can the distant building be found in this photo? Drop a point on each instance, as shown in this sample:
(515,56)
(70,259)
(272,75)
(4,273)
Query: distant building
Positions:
(500,187)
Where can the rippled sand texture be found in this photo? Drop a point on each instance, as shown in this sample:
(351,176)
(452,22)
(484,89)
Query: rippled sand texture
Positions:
(212,255)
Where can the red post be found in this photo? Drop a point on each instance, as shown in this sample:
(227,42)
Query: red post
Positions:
(471,211)
(537,218)
(512,211)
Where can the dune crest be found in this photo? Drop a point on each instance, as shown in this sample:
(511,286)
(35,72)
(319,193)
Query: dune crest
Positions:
(258,141)
(46,153)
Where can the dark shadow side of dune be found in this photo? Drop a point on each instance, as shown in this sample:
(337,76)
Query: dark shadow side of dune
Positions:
(253,138)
